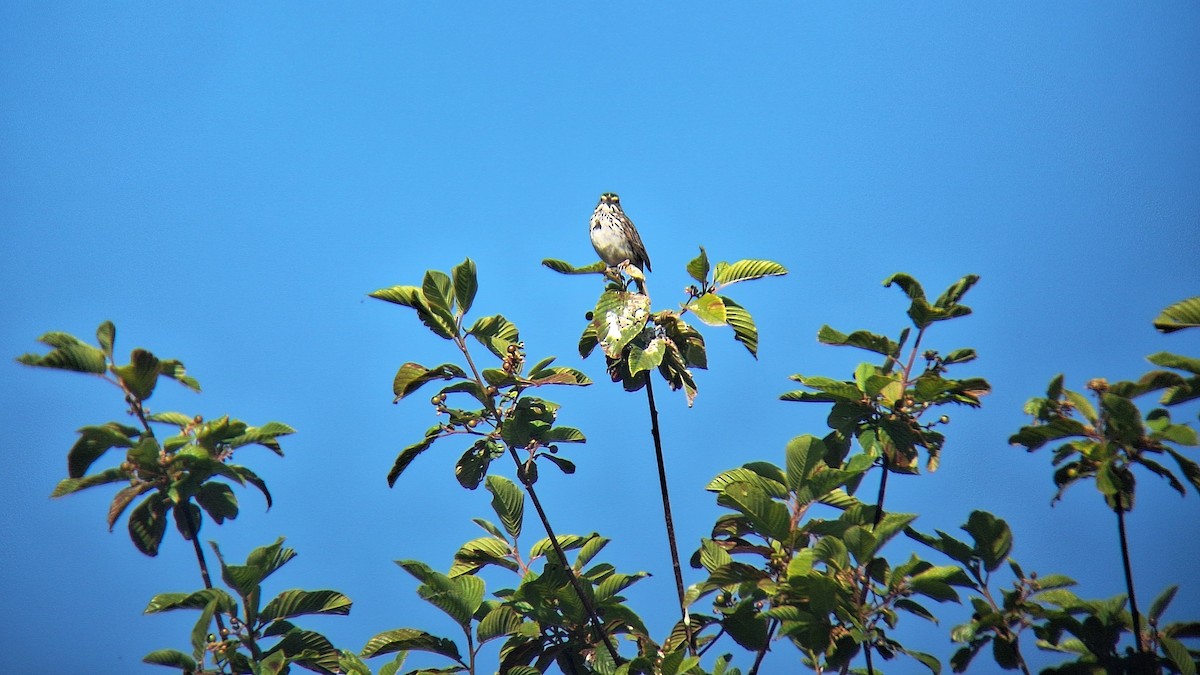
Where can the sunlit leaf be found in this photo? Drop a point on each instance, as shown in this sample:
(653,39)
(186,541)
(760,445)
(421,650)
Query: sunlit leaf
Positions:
(745,270)
(1183,314)
(466,283)
(508,501)
(698,268)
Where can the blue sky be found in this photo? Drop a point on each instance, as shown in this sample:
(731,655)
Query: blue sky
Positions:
(227,183)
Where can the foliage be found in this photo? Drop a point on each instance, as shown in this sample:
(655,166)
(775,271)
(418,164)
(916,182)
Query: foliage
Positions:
(240,648)
(181,472)
(541,621)
(798,558)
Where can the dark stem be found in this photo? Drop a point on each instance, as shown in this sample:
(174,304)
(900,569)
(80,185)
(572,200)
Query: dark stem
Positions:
(666,500)
(1133,606)
(882,490)
(562,556)
(195,530)
(758,658)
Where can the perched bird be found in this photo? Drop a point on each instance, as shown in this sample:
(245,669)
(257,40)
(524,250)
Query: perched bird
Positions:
(615,238)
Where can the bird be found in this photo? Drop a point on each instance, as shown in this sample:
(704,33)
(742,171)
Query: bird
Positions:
(615,237)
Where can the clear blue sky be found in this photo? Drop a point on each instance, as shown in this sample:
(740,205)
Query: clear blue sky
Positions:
(227,182)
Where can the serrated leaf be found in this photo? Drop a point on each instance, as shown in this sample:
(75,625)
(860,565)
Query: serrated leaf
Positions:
(67,486)
(106,335)
(172,658)
(407,455)
(412,376)
(458,597)
(466,284)
(148,523)
(804,455)
(769,517)
(508,501)
(860,338)
(563,267)
(698,267)
(496,333)
(301,603)
(78,357)
(745,270)
(709,308)
(94,442)
(993,538)
(1183,314)
(140,375)
(744,330)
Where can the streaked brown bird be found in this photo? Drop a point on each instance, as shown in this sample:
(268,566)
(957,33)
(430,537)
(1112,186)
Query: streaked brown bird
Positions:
(615,238)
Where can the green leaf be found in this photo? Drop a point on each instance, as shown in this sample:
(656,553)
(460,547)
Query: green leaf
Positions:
(174,369)
(618,318)
(412,376)
(508,501)
(300,603)
(838,389)
(1161,603)
(745,270)
(1183,314)
(148,523)
(458,597)
(648,358)
(218,500)
(993,538)
(94,442)
(140,375)
(1035,436)
(473,465)
(698,268)
(744,330)
(1190,469)
(910,286)
(708,308)
(466,283)
(501,621)
(106,335)
(68,354)
(861,339)
(804,455)
(769,517)
(407,455)
(563,267)
(69,485)
(860,543)
(1124,419)
(171,658)
(1169,360)
(955,292)
(1176,651)
(955,549)
(496,333)
(260,564)
(202,628)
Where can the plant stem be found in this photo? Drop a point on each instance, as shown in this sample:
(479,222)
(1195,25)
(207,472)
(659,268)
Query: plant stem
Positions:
(1133,607)
(882,490)
(670,522)
(758,658)
(562,556)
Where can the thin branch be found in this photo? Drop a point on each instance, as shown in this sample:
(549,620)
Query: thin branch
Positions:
(1133,606)
(562,556)
(670,522)
(758,658)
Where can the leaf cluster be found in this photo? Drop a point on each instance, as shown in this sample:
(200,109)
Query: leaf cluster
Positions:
(243,646)
(175,476)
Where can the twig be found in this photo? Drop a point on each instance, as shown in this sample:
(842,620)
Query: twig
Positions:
(670,522)
(562,556)
(1133,606)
